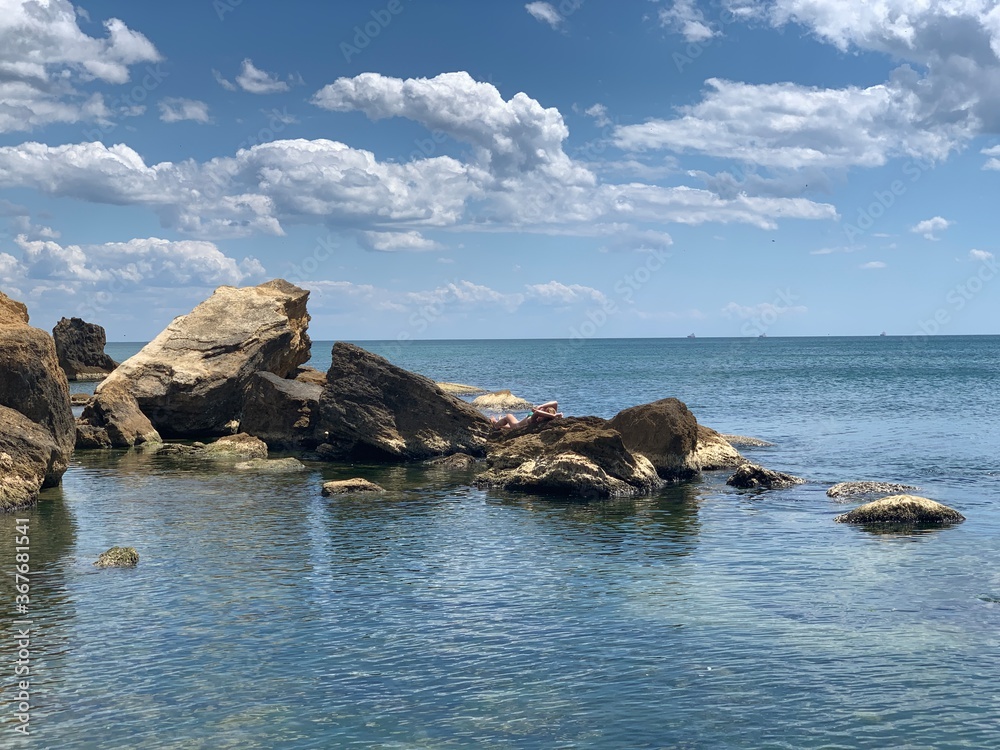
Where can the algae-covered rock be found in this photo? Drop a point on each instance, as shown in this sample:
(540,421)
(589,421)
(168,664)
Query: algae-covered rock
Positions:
(237,446)
(118,557)
(902,510)
(353,486)
(868,489)
(271,465)
(752,476)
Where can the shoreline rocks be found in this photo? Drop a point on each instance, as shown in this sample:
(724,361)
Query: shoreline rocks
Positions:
(902,510)
(80,349)
(752,476)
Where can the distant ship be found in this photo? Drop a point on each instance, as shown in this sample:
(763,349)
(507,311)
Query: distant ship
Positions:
(762,336)
(882,334)
(692,336)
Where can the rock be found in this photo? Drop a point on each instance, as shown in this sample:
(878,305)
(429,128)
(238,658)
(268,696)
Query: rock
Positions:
(665,432)
(460,389)
(118,557)
(454,461)
(33,385)
(743,441)
(867,489)
(27,451)
(714,452)
(80,399)
(190,380)
(310,375)
(752,476)
(237,446)
(80,348)
(272,465)
(575,456)
(351,487)
(501,401)
(373,410)
(280,411)
(174,449)
(902,510)
(114,421)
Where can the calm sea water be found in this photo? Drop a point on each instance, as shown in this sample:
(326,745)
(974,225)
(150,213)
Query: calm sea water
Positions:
(263,615)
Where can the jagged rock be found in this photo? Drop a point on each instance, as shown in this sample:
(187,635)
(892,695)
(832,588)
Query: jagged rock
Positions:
(118,557)
(310,375)
(501,401)
(80,348)
(714,451)
(237,446)
(33,385)
(27,451)
(868,489)
(576,456)
(454,461)
(351,487)
(190,380)
(665,432)
(751,476)
(743,441)
(374,410)
(114,421)
(279,411)
(272,465)
(902,510)
(460,389)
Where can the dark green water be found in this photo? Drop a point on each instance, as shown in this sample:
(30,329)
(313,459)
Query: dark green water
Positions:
(262,615)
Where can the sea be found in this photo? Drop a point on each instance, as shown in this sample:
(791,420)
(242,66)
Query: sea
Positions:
(263,615)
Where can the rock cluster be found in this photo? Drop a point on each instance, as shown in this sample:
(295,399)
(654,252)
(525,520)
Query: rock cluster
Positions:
(80,348)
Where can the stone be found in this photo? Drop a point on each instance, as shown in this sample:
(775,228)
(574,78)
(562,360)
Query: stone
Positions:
(575,456)
(272,465)
(454,461)
(742,441)
(118,557)
(351,487)
(237,446)
(114,421)
(191,379)
(27,451)
(372,410)
(501,401)
(665,432)
(310,375)
(80,399)
(714,451)
(751,476)
(902,510)
(847,490)
(279,411)
(460,389)
(80,348)
(33,385)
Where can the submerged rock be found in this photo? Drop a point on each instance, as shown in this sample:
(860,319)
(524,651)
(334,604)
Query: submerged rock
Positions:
(863,489)
(715,452)
(374,410)
(114,421)
(351,487)
(902,510)
(742,441)
(665,432)
(237,446)
(501,401)
(272,465)
(118,557)
(80,348)
(752,476)
(190,380)
(575,456)
(280,411)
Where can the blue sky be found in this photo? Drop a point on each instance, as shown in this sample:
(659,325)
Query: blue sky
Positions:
(504,170)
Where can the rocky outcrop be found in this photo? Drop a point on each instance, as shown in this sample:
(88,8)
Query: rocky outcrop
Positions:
(576,456)
(237,446)
(118,557)
(501,401)
(190,380)
(80,348)
(460,389)
(848,490)
(280,411)
(114,421)
(34,386)
(356,486)
(751,476)
(902,510)
(665,432)
(374,410)
(714,451)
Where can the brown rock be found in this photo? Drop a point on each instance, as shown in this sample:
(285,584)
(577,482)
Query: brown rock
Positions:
(665,432)
(80,348)
(902,510)
(454,461)
(114,421)
(752,476)
(27,453)
(280,411)
(237,446)
(714,451)
(501,401)
(351,487)
(310,375)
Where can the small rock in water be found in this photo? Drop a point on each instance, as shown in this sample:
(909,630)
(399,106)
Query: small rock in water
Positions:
(752,476)
(272,465)
(351,487)
(855,489)
(237,446)
(902,510)
(742,441)
(118,557)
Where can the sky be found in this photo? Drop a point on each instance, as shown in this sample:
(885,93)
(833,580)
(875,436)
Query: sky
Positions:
(566,169)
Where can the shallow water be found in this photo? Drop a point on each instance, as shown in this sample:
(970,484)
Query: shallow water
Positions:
(263,615)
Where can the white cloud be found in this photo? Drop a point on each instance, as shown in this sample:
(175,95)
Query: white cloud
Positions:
(872,265)
(222,81)
(930,227)
(256,81)
(685,17)
(45,57)
(545,12)
(10,268)
(175,110)
(980,255)
(761,311)
(600,114)
(394,241)
(557,293)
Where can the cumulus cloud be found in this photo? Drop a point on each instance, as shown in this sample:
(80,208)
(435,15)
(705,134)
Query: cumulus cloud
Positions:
(980,255)
(45,57)
(222,81)
(558,293)
(546,13)
(872,265)
(175,110)
(929,228)
(684,17)
(994,162)
(397,241)
(253,80)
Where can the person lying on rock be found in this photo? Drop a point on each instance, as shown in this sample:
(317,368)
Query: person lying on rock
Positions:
(540,413)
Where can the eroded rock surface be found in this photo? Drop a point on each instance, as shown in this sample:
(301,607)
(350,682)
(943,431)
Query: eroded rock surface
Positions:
(280,411)
(80,348)
(715,452)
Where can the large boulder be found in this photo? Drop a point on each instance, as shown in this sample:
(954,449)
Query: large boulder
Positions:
(80,348)
(190,380)
(33,385)
(27,453)
(114,421)
(575,456)
(714,451)
(373,410)
(279,411)
(902,510)
(665,432)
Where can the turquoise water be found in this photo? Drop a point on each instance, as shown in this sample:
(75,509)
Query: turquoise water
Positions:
(263,615)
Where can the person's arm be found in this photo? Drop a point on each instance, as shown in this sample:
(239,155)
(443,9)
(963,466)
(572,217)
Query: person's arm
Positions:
(547,405)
